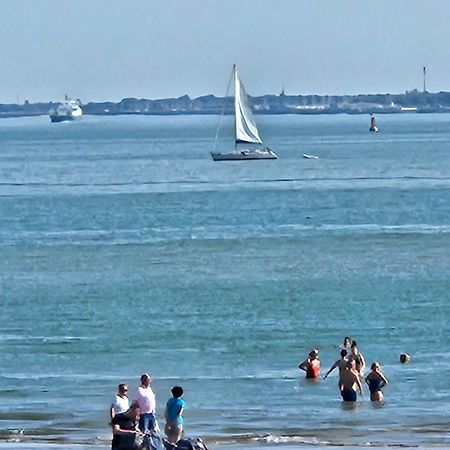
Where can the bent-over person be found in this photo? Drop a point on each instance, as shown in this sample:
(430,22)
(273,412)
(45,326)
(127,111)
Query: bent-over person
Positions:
(125,429)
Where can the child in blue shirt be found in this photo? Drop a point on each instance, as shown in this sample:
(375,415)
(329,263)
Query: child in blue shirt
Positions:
(174,416)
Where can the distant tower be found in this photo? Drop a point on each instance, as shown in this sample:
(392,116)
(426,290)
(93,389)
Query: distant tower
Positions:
(424,79)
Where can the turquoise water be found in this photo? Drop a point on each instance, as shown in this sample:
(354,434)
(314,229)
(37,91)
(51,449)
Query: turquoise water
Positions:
(125,249)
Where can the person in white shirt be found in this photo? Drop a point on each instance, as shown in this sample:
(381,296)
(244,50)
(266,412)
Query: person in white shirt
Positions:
(145,398)
(120,402)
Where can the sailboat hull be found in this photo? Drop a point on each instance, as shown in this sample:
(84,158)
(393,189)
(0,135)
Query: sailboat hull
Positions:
(244,155)
(61,118)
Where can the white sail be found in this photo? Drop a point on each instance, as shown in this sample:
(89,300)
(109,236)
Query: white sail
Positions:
(246,130)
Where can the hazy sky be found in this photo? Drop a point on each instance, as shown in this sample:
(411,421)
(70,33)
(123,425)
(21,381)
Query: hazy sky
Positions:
(100,50)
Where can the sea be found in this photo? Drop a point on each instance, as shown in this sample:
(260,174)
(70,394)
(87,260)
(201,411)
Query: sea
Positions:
(125,249)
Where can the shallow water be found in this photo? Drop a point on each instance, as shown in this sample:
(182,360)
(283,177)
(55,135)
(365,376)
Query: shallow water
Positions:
(124,249)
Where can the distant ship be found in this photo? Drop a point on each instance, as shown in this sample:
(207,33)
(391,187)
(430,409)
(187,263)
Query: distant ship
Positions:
(373,124)
(67,110)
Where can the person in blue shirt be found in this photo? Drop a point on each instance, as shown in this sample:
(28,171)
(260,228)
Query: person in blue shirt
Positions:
(174,415)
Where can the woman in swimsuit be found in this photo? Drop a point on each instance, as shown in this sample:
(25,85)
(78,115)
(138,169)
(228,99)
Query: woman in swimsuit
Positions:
(311,365)
(358,357)
(376,381)
(346,344)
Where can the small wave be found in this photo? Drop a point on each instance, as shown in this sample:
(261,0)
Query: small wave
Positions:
(226,182)
(32,416)
(79,188)
(223,233)
(44,339)
(307,439)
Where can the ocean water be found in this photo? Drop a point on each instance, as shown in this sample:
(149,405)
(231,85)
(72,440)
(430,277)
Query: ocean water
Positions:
(125,249)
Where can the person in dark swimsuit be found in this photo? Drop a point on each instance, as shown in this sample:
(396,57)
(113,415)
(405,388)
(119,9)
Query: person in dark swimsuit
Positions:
(358,357)
(376,381)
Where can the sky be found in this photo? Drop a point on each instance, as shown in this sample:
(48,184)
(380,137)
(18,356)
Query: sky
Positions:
(106,50)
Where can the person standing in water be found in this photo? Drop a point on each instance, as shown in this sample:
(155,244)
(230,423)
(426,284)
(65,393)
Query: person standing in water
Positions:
(349,382)
(346,344)
(340,363)
(376,381)
(311,365)
(358,357)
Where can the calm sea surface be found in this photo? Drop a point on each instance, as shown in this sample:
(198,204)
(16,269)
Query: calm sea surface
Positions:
(125,249)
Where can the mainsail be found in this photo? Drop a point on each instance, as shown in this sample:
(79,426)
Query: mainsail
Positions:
(246,130)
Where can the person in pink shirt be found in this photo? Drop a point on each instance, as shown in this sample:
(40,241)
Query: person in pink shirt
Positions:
(145,398)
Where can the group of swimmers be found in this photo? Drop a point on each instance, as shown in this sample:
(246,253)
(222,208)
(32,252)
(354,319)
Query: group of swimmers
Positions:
(351,365)
(129,420)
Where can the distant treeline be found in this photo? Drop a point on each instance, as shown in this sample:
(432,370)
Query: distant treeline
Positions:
(267,104)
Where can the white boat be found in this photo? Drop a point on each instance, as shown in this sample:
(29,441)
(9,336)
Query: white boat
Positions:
(310,156)
(373,124)
(67,110)
(246,131)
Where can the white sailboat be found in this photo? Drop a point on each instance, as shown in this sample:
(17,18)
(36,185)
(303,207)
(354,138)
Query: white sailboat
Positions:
(246,131)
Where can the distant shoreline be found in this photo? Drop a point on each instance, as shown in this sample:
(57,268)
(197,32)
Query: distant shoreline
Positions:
(409,102)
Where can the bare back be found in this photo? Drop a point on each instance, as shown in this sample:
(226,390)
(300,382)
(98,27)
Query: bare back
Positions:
(349,380)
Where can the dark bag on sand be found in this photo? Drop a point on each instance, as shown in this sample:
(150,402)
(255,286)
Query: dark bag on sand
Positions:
(131,442)
(187,444)
(153,441)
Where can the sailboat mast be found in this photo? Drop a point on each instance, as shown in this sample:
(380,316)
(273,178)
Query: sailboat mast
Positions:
(234,105)
(223,110)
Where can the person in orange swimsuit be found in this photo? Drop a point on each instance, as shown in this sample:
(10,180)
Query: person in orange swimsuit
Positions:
(311,365)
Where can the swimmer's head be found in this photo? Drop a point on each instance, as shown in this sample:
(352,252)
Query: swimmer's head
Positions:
(375,365)
(404,358)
